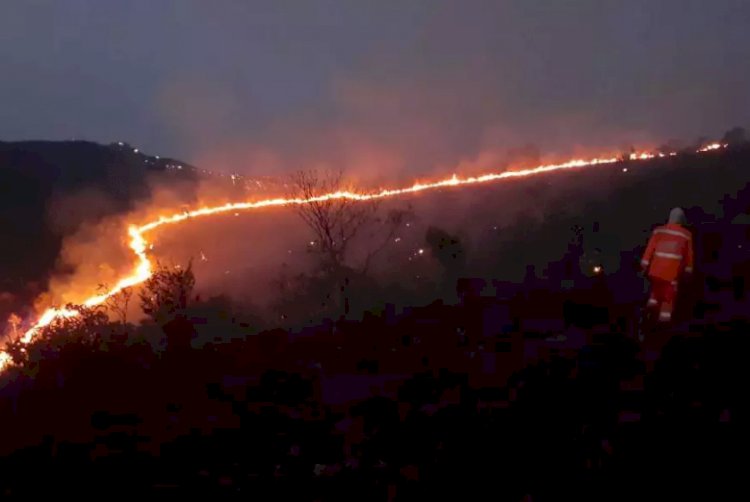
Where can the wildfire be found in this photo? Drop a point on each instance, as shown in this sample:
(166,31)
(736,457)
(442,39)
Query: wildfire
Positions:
(139,245)
(712,146)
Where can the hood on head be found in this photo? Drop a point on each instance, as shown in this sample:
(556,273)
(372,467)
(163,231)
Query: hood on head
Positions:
(677,215)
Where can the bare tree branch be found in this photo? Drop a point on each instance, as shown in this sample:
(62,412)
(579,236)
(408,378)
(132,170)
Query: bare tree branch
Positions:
(336,225)
(117,304)
(334,222)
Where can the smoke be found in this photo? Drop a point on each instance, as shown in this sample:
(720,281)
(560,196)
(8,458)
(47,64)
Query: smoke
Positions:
(501,228)
(227,251)
(380,132)
(464,98)
(69,211)
(380,137)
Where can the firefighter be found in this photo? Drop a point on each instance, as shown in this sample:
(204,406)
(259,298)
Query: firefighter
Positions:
(667,261)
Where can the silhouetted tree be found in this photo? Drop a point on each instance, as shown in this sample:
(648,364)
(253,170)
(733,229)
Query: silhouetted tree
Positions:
(118,303)
(86,325)
(85,329)
(334,222)
(166,294)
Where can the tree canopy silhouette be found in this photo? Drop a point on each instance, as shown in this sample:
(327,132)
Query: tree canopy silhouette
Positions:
(166,294)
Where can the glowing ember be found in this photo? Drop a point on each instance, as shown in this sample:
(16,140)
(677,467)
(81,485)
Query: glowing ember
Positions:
(138,243)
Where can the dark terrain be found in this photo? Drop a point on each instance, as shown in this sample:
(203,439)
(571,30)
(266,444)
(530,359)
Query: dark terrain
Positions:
(535,388)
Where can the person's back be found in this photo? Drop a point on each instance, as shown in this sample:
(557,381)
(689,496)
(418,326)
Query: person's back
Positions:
(668,257)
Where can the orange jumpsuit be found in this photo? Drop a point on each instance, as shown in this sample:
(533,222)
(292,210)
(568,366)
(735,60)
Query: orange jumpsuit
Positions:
(668,256)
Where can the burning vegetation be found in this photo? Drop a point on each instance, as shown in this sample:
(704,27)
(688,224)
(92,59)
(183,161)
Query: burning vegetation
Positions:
(335,215)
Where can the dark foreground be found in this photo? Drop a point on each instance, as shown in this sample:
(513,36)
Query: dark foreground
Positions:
(435,404)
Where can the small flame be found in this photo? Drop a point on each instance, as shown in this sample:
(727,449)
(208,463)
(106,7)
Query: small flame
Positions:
(712,146)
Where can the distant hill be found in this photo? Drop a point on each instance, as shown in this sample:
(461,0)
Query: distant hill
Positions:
(39,180)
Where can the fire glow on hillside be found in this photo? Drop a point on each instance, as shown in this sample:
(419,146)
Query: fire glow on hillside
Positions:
(139,245)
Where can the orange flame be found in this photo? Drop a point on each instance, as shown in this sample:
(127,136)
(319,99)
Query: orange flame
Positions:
(712,146)
(138,243)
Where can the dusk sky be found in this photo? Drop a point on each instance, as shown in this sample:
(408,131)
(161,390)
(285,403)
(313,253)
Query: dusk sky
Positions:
(401,83)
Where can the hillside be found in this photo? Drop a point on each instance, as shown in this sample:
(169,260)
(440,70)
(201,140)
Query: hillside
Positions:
(486,395)
(49,188)
(616,207)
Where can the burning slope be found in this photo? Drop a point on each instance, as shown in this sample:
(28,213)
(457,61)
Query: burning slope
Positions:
(138,243)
